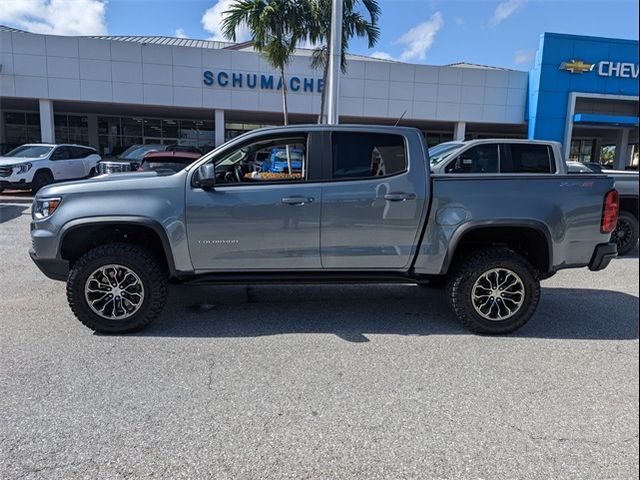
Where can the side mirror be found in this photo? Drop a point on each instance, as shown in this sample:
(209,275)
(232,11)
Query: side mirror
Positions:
(205,177)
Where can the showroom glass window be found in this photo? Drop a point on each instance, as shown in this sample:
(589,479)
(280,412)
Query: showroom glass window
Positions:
(116,134)
(71,129)
(19,128)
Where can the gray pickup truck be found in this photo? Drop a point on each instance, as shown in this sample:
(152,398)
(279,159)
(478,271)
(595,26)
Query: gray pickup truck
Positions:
(339,204)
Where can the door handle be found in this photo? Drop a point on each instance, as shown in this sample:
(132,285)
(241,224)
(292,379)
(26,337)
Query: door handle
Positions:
(399,196)
(297,201)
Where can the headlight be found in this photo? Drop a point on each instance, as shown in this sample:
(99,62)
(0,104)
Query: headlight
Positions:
(44,207)
(22,168)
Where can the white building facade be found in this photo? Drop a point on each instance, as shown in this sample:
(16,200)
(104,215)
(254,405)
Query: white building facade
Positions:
(112,92)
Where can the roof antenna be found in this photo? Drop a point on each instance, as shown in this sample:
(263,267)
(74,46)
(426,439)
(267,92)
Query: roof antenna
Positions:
(401,117)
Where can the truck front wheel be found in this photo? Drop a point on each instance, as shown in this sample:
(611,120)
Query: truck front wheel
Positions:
(494,291)
(117,288)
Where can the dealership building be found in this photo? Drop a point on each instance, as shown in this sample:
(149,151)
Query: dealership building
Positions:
(111,92)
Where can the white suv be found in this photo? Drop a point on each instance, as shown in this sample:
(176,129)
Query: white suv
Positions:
(32,166)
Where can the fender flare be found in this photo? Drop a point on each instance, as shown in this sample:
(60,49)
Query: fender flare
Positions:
(122,219)
(465,228)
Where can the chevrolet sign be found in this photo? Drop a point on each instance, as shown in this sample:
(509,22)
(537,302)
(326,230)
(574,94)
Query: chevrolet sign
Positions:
(605,68)
(577,66)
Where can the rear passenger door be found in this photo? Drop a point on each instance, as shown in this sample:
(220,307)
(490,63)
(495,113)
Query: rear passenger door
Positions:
(64,166)
(86,159)
(372,205)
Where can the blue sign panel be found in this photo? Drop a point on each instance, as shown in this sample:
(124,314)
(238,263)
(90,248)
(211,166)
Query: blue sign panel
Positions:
(260,81)
(570,63)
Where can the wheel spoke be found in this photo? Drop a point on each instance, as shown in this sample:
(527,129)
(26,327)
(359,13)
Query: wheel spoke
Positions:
(114,292)
(498,294)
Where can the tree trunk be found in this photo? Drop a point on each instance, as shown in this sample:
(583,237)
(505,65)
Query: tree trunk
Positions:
(323,94)
(285,111)
(285,107)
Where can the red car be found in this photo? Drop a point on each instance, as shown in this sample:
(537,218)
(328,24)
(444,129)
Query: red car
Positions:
(167,162)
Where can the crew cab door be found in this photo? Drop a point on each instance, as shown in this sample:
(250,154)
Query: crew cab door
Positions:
(259,216)
(374,204)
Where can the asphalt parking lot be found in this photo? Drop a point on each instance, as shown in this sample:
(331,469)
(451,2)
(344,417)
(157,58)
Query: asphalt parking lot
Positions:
(317,382)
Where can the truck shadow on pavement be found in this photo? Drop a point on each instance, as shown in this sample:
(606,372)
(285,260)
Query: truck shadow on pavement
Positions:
(9,212)
(353,311)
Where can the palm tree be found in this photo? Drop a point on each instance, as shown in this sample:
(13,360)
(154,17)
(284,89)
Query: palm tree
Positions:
(275,27)
(354,23)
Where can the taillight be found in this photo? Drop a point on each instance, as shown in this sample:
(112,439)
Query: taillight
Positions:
(610,212)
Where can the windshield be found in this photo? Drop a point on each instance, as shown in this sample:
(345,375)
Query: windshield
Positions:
(30,151)
(136,152)
(234,158)
(440,152)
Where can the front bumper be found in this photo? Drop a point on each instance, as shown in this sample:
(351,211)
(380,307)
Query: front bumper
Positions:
(602,256)
(54,268)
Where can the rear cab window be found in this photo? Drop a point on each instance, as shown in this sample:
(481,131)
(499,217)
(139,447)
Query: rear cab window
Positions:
(528,158)
(493,158)
(367,155)
(483,158)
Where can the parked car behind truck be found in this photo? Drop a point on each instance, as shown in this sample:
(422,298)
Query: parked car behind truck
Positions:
(34,165)
(131,159)
(625,235)
(367,209)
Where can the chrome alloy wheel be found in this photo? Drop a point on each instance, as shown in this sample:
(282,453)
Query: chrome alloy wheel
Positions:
(498,294)
(114,292)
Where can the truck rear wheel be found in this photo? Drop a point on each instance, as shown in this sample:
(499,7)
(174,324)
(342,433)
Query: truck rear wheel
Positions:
(494,291)
(625,235)
(117,288)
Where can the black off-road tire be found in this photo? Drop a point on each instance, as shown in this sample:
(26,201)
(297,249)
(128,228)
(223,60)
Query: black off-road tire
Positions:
(471,268)
(625,235)
(41,179)
(151,273)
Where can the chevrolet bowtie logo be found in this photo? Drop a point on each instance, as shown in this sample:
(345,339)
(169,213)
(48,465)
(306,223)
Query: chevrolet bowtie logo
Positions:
(577,66)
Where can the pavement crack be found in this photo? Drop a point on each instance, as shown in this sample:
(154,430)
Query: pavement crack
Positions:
(212,365)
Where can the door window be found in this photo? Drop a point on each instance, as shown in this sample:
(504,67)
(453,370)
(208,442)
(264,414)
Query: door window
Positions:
(528,158)
(61,153)
(80,152)
(272,160)
(482,158)
(367,155)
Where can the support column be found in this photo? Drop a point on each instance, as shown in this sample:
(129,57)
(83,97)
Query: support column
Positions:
(459,131)
(219,127)
(596,150)
(47,129)
(92,125)
(622,144)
